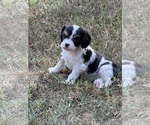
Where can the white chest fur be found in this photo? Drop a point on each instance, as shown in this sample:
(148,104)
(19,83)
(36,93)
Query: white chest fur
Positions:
(73,59)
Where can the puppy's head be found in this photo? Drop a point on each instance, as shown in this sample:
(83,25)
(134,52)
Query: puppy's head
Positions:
(73,37)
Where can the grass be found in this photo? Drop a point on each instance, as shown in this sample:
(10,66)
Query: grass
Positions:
(13,62)
(135,45)
(51,102)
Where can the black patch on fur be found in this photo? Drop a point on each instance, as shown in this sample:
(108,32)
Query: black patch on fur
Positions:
(87,55)
(106,63)
(115,70)
(78,40)
(68,29)
(62,35)
(94,65)
(86,38)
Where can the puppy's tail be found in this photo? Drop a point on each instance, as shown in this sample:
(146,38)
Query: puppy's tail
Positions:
(116,70)
(139,69)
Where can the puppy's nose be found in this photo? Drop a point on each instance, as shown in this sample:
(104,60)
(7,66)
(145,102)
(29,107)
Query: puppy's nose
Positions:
(66,45)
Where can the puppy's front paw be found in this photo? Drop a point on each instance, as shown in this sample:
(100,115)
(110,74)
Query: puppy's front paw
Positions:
(63,82)
(68,82)
(51,70)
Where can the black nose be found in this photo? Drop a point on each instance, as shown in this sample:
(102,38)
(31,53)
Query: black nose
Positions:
(66,45)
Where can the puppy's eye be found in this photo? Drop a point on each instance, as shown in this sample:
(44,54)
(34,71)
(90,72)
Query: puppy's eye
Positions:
(75,39)
(64,35)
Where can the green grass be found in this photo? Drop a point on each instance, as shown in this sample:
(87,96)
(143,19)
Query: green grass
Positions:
(51,102)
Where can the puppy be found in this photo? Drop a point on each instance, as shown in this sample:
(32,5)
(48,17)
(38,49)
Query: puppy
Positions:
(130,72)
(79,57)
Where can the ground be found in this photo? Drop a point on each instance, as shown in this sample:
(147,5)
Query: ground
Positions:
(51,102)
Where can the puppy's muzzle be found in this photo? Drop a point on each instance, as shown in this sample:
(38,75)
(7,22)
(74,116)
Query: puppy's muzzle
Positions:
(66,45)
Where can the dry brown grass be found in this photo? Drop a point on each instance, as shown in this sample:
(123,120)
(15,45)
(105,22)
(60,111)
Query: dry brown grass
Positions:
(13,62)
(136,46)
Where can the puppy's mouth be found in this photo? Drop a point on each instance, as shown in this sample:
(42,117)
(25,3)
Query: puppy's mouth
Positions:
(66,48)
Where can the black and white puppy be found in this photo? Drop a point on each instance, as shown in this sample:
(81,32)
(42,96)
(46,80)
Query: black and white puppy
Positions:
(79,57)
(130,72)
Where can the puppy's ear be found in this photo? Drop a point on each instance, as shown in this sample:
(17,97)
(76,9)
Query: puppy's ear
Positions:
(63,28)
(86,39)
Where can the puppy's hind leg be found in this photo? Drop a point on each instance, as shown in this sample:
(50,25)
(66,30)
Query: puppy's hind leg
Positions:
(58,67)
(103,82)
(106,74)
(99,83)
